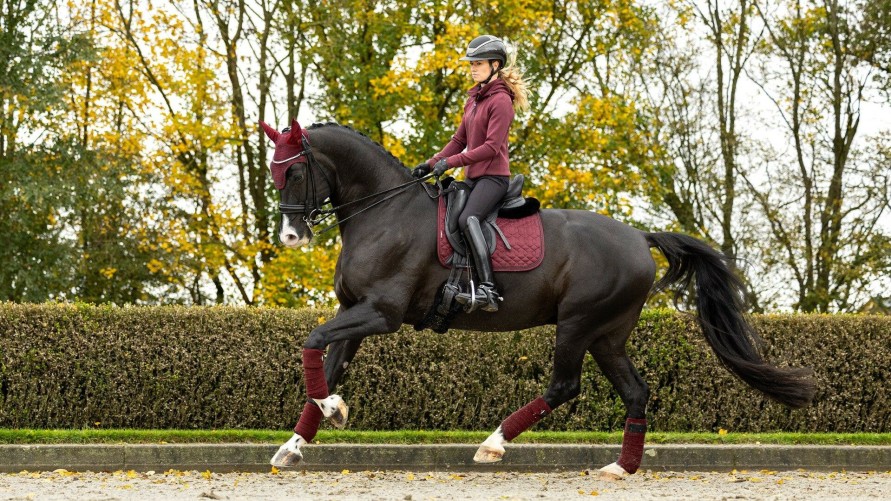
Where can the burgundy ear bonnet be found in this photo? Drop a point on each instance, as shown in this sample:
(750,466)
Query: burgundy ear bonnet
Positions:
(288,149)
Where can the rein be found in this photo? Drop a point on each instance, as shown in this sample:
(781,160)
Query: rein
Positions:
(313,215)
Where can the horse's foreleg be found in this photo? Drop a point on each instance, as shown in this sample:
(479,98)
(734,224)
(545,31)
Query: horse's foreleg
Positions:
(340,354)
(344,332)
(331,406)
(634,393)
(564,386)
(492,449)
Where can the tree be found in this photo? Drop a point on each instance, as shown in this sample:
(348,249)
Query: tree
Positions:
(824,206)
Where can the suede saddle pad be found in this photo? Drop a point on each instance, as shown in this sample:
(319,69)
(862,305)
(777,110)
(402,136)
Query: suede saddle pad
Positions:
(525,236)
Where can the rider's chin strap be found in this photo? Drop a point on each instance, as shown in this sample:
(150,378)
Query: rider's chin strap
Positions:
(492,73)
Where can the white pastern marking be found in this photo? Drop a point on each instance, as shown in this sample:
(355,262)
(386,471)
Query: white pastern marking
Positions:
(492,450)
(329,405)
(614,469)
(294,443)
(495,440)
(290,451)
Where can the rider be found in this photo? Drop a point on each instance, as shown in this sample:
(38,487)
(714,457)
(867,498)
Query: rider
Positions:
(481,144)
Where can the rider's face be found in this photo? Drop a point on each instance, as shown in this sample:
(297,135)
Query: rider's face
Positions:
(479,70)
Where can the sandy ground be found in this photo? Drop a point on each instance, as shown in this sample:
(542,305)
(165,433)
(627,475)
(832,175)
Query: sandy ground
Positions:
(415,486)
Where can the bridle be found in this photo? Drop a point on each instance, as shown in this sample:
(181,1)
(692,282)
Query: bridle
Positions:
(314,215)
(312,212)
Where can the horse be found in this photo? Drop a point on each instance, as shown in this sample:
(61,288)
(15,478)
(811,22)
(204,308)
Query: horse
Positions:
(592,283)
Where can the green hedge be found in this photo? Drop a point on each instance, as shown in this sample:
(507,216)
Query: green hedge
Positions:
(77,366)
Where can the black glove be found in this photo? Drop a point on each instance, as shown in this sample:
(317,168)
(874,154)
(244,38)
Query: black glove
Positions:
(440,167)
(421,170)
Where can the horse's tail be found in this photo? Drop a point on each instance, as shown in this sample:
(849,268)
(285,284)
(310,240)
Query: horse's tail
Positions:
(721,306)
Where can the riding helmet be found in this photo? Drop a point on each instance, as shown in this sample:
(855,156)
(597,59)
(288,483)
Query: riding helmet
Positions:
(486,48)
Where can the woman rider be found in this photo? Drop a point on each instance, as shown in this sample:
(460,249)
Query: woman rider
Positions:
(480,145)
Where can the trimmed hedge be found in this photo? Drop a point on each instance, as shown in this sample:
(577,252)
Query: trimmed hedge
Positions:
(77,366)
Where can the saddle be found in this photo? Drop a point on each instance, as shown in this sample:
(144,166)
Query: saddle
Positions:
(514,237)
(514,240)
(512,206)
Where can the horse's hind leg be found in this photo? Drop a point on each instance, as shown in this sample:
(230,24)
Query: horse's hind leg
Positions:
(617,367)
(564,386)
(340,354)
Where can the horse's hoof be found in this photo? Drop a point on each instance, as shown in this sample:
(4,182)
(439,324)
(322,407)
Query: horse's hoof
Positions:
(335,409)
(486,454)
(613,472)
(289,454)
(285,458)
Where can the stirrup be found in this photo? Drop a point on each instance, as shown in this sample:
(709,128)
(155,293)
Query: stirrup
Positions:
(482,296)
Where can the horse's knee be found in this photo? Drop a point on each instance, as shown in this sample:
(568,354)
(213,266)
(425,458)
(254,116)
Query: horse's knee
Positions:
(315,341)
(561,393)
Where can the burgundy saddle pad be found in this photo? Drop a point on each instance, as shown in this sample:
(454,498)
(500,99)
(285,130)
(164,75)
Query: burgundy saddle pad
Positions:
(525,236)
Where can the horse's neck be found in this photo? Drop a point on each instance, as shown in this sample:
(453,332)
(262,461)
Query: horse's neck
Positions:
(362,172)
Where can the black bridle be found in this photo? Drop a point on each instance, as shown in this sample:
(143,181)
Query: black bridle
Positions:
(314,215)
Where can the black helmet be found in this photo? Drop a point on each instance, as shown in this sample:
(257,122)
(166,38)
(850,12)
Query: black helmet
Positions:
(486,48)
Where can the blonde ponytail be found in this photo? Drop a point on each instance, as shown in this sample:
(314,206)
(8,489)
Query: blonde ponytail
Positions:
(513,77)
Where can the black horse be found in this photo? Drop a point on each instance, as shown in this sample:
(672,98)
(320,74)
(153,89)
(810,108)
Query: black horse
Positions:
(596,275)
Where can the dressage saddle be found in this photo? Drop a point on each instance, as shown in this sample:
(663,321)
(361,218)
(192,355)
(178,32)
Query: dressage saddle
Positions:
(512,206)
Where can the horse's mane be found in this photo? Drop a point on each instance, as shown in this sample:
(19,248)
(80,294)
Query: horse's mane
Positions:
(361,136)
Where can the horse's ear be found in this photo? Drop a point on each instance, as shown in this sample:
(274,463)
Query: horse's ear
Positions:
(296,132)
(270,132)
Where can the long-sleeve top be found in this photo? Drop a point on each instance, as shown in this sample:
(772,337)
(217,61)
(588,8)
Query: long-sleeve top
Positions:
(480,143)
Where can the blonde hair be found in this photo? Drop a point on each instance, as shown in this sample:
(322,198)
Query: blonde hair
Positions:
(513,77)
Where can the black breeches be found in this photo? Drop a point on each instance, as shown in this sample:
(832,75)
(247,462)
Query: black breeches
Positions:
(485,193)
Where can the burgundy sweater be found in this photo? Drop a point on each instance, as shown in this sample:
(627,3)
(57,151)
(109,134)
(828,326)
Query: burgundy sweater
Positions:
(488,113)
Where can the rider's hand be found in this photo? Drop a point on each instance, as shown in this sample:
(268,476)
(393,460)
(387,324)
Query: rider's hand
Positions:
(421,170)
(440,167)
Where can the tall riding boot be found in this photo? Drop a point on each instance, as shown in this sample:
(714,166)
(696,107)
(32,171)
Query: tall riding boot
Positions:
(487,296)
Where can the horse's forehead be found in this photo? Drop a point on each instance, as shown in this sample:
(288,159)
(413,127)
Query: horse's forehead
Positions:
(287,153)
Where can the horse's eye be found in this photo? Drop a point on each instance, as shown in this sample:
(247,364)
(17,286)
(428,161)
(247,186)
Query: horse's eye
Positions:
(296,174)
